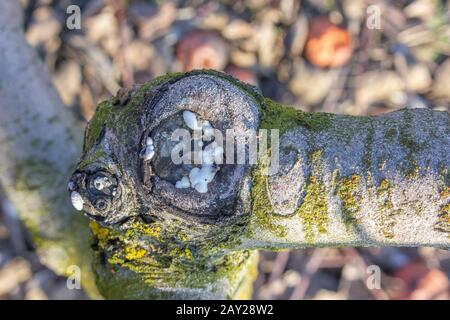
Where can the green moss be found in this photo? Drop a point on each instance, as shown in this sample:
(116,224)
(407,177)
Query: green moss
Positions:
(413,169)
(278,116)
(109,114)
(161,256)
(443,223)
(262,208)
(133,107)
(124,283)
(274,116)
(245,288)
(138,229)
(102,117)
(314,209)
(347,192)
(410,144)
(164,78)
(53,119)
(384,187)
(445,193)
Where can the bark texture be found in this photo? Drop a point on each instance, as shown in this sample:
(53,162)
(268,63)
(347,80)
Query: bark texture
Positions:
(342,181)
(40,142)
(359,181)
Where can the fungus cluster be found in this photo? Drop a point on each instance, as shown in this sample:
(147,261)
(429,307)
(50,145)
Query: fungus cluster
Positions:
(210,153)
(77,200)
(149,151)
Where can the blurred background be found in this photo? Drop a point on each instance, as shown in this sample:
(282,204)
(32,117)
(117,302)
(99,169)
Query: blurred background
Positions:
(355,57)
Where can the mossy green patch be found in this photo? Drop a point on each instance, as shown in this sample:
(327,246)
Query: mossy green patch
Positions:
(162,256)
(109,114)
(350,199)
(262,208)
(314,209)
(245,288)
(278,116)
(132,109)
(101,118)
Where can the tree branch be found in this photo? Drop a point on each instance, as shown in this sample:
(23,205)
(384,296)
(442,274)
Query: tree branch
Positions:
(341,181)
(39,144)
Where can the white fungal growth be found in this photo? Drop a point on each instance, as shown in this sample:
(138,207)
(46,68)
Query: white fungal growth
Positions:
(207,157)
(183,183)
(101,183)
(212,153)
(77,200)
(149,154)
(208,132)
(201,177)
(191,120)
(149,149)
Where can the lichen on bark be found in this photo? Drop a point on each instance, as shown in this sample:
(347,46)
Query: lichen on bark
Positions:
(341,181)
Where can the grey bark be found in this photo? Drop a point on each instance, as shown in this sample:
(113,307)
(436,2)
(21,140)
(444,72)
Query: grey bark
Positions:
(40,142)
(384,181)
(343,181)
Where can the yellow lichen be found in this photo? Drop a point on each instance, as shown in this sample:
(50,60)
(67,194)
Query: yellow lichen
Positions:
(386,209)
(262,207)
(139,228)
(134,253)
(350,199)
(443,223)
(314,209)
(99,232)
